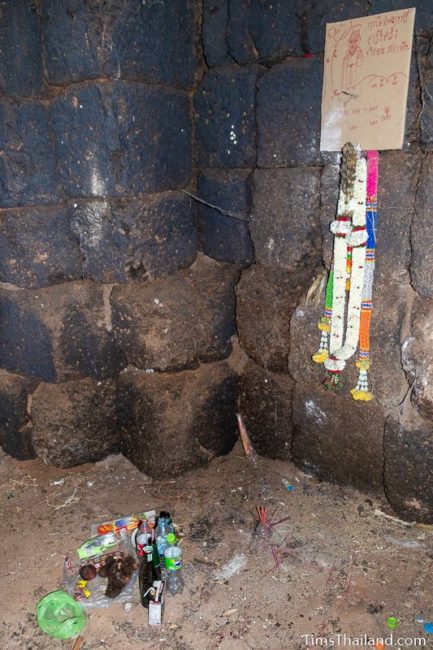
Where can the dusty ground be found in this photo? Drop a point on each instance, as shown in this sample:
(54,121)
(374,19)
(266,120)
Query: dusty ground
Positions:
(343,569)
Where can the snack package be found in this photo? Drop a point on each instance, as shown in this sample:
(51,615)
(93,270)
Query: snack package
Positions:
(129,523)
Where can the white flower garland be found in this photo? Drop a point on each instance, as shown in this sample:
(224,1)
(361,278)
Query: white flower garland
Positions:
(351,234)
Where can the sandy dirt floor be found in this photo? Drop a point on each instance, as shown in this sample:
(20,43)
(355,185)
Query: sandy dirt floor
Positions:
(333,568)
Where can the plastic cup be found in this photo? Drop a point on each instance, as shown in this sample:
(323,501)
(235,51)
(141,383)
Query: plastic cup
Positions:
(173,558)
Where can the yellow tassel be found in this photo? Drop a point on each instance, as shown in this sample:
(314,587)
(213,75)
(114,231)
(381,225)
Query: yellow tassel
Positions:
(361,395)
(363,364)
(320,356)
(325,327)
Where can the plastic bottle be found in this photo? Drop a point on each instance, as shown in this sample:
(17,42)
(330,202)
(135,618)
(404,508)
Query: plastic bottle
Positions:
(174,582)
(163,528)
(173,568)
(171,540)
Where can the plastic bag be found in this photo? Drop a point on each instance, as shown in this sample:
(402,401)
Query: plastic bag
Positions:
(91,593)
(60,616)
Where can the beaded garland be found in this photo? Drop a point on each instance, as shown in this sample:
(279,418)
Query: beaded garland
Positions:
(347,312)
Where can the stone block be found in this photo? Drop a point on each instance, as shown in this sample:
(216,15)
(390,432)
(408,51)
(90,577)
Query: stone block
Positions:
(408,465)
(176,322)
(263,31)
(425,64)
(337,440)
(266,406)
(304,334)
(15,424)
(329,189)
(398,180)
(223,237)
(214,31)
(391,309)
(424,10)
(266,300)
(74,422)
(286,226)
(123,239)
(413,128)
(128,39)
(122,139)
(37,247)
(28,171)
(226,127)
(421,268)
(21,73)
(417,358)
(288,113)
(172,422)
(58,333)
(317,13)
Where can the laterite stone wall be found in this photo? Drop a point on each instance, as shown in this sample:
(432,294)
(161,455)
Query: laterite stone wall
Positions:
(132,317)
(114,329)
(268,130)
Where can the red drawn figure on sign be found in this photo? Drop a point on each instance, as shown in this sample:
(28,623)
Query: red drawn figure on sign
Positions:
(352,59)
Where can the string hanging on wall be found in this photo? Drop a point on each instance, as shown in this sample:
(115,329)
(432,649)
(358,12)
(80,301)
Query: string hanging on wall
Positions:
(345,323)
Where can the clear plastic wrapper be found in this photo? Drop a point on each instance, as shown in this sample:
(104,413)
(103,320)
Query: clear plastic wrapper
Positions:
(105,564)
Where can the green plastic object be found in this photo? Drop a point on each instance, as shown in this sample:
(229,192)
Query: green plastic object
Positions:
(60,616)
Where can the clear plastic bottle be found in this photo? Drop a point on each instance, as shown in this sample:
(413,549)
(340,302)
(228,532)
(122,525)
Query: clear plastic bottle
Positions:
(163,528)
(174,582)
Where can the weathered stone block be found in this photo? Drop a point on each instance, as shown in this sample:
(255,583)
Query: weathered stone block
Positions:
(177,322)
(15,424)
(128,39)
(414,106)
(417,358)
(263,31)
(422,233)
(424,10)
(266,406)
(337,440)
(389,325)
(304,334)
(399,174)
(122,239)
(266,300)
(288,113)
(21,73)
(321,12)
(425,63)
(408,465)
(122,138)
(37,247)
(28,172)
(286,228)
(58,333)
(172,422)
(329,188)
(226,127)
(74,422)
(223,237)
(214,31)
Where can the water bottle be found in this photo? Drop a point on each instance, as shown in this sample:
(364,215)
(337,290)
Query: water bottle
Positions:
(174,582)
(173,568)
(164,528)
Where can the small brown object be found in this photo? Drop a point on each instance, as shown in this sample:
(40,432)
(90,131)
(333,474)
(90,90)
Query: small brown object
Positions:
(78,643)
(88,572)
(119,574)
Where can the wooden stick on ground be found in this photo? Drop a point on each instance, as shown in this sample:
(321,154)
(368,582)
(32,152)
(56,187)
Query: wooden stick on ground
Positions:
(78,643)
